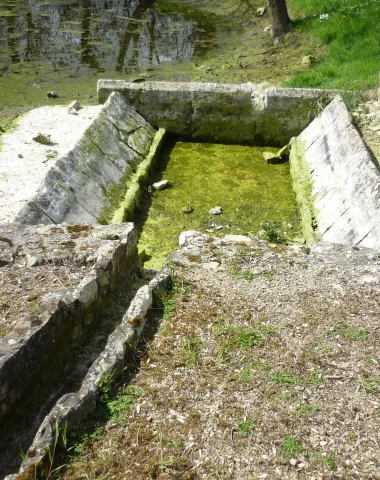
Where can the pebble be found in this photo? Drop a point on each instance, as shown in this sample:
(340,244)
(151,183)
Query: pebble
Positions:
(215,210)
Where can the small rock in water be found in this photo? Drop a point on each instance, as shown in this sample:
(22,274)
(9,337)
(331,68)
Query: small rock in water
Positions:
(215,211)
(52,95)
(161,185)
(187,209)
(260,11)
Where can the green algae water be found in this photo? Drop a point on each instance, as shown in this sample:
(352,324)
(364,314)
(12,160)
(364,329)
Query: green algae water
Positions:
(206,175)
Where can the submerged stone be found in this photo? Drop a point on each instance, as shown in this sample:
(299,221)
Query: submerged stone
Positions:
(161,185)
(215,211)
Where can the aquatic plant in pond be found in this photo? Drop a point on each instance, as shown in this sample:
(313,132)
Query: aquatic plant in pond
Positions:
(208,175)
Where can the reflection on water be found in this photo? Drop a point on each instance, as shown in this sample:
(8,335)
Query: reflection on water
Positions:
(105,35)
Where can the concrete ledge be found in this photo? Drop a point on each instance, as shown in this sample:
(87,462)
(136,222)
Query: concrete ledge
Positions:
(75,407)
(107,250)
(344,181)
(90,176)
(225,113)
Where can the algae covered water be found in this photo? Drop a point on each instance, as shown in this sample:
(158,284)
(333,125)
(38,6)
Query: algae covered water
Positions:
(203,176)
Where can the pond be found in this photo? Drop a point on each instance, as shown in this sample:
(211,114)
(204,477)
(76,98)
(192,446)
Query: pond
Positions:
(251,193)
(66,45)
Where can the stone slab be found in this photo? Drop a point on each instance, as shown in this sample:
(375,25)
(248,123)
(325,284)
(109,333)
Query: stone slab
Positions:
(92,159)
(76,406)
(344,180)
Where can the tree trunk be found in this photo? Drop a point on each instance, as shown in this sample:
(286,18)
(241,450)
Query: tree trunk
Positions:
(280,19)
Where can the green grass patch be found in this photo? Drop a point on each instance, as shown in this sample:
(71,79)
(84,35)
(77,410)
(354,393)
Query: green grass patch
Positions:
(327,460)
(191,351)
(284,378)
(115,404)
(244,427)
(306,410)
(291,447)
(237,338)
(317,378)
(348,31)
(371,385)
(350,332)
(248,371)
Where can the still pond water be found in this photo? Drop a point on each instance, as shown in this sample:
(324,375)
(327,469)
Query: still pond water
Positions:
(65,45)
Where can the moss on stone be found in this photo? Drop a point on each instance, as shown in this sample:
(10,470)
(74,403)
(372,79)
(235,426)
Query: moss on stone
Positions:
(302,187)
(131,187)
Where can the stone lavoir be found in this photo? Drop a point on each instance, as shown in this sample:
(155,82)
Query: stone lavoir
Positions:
(100,171)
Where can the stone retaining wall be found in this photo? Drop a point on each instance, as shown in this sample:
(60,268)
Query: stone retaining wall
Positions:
(241,114)
(108,250)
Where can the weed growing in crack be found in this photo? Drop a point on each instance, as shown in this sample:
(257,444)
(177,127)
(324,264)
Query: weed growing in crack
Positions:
(290,447)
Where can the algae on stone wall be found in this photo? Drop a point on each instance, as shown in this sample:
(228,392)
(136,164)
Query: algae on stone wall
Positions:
(207,175)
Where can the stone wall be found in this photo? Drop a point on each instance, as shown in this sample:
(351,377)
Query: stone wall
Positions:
(214,112)
(336,180)
(103,254)
(94,174)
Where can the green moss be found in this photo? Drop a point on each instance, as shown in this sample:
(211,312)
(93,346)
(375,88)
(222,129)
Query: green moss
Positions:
(205,175)
(130,187)
(302,186)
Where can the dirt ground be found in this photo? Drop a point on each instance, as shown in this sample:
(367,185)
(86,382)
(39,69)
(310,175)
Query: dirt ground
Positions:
(265,365)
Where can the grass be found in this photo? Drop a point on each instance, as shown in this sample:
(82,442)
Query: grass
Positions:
(371,385)
(348,32)
(244,427)
(306,410)
(248,371)
(291,447)
(327,460)
(350,332)
(192,351)
(316,378)
(284,378)
(241,339)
